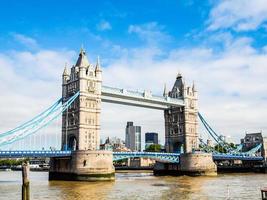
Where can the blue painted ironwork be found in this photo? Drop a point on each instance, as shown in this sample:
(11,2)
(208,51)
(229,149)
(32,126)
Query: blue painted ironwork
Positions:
(244,157)
(254,150)
(49,115)
(222,143)
(33,120)
(163,157)
(26,154)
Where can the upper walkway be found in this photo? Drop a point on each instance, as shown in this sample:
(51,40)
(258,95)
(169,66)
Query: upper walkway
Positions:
(142,99)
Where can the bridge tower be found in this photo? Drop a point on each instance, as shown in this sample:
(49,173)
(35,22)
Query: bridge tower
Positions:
(81,122)
(81,126)
(181,122)
(181,134)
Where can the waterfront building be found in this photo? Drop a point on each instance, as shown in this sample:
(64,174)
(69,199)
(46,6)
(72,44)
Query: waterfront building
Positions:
(252,140)
(151,138)
(133,137)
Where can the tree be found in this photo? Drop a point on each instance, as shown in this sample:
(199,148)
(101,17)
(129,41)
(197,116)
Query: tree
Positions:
(220,148)
(153,148)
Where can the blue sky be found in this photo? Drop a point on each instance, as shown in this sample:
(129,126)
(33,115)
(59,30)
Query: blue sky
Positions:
(66,25)
(221,45)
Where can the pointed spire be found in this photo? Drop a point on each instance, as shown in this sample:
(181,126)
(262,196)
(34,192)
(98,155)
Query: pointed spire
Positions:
(82,60)
(98,65)
(193,87)
(65,72)
(179,75)
(165,93)
(81,50)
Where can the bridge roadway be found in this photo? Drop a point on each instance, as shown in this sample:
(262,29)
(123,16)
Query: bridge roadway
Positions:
(164,157)
(142,99)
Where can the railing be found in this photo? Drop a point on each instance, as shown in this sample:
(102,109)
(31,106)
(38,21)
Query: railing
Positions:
(20,154)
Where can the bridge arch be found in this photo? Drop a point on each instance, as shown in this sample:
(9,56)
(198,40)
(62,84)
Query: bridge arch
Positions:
(178,147)
(72,144)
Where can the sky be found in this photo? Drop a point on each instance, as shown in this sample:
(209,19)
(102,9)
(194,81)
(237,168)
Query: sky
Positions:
(221,46)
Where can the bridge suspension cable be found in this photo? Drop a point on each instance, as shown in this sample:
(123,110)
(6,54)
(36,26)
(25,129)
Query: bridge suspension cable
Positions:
(40,121)
(33,120)
(218,139)
(222,143)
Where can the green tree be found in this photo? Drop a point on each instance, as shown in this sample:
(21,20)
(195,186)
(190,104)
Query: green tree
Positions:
(12,162)
(220,148)
(153,148)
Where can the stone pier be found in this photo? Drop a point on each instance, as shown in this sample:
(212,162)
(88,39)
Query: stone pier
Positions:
(83,166)
(192,164)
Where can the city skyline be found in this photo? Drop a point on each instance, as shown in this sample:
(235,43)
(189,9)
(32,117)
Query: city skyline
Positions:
(226,57)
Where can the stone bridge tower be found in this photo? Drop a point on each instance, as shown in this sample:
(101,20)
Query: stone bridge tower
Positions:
(181,123)
(81,127)
(82,118)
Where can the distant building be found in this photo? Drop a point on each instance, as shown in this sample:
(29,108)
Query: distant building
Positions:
(252,140)
(114,144)
(151,138)
(133,137)
(140,162)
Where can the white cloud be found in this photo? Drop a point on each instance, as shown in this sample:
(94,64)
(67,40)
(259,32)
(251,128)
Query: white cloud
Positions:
(25,40)
(240,15)
(30,82)
(104,26)
(231,83)
(151,32)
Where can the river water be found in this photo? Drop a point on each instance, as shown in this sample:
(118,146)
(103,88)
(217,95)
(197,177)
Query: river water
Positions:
(137,185)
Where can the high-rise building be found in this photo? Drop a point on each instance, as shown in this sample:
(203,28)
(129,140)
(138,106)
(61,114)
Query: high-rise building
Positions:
(133,137)
(151,138)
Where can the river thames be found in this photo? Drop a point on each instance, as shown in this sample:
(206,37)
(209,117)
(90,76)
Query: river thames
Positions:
(136,185)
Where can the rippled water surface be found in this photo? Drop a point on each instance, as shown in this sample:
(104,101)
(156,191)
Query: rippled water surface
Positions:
(137,185)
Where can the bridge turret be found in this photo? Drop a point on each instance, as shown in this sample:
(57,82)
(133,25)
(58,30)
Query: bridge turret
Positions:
(82,61)
(165,93)
(98,71)
(82,64)
(65,75)
(178,87)
(65,79)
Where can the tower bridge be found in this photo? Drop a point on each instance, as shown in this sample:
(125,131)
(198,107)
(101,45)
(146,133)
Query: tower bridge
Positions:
(80,108)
